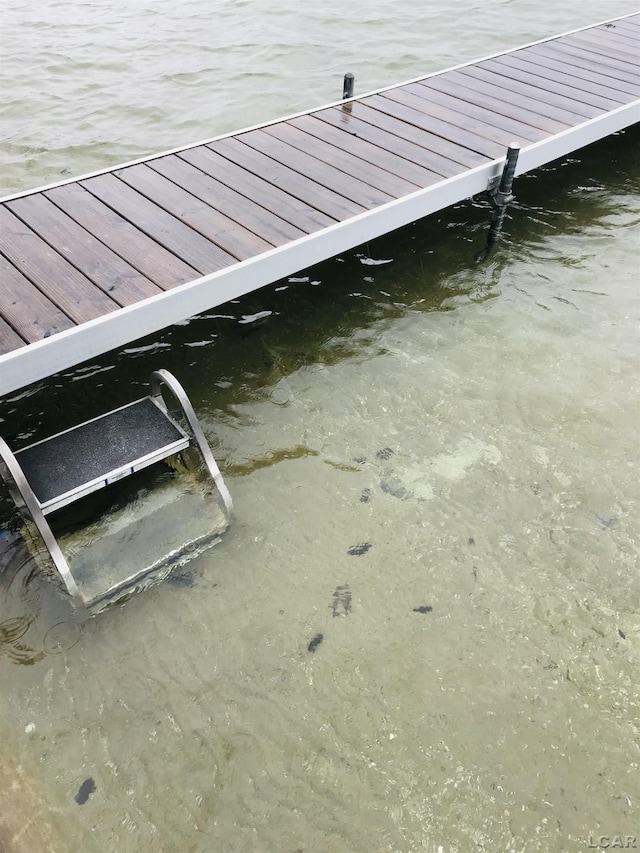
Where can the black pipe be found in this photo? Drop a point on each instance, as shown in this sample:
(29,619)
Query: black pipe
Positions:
(348,85)
(501,197)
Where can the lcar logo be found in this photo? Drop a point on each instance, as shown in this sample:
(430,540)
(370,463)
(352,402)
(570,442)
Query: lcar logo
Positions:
(613,842)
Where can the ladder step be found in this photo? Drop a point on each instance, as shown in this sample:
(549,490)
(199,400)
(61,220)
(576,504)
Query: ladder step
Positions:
(67,466)
(140,541)
(144,540)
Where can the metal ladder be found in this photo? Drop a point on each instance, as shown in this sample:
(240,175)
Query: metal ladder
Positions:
(68,466)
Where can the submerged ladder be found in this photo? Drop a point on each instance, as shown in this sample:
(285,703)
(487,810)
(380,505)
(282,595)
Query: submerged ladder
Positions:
(57,471)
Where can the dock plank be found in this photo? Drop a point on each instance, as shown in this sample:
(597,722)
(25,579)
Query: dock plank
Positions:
(624,38)
(99,264)
(183,170)
(599,63)
(286,208)
(407,140)
(474,91)
(553,70)
(25,309)
(545,82)
(581,66)
(471,147)
(165,229)
(566,109)
(476,119)
(630,26)
(10,340)
(412,159)
(206,220)
(364,150)
(346,162)
(61,282)
(304,217)
(139,250)
(299,186)
(324,173)
(604,45)
(447,152)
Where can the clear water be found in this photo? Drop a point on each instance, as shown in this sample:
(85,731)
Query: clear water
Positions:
(422,630)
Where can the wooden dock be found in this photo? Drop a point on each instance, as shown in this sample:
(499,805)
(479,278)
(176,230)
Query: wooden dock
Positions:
(91,264)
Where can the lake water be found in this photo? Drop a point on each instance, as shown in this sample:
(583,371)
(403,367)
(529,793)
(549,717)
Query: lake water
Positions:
(422,631)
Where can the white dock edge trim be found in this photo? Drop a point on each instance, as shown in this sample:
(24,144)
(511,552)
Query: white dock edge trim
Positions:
(156,155)
(46,357)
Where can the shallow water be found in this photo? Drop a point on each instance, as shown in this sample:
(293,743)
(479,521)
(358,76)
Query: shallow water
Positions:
(421,631)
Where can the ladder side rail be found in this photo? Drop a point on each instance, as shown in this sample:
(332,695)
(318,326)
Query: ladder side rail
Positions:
(163,377)
(11,470)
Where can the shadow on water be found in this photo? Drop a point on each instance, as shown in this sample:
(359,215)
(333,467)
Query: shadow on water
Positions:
(238,352)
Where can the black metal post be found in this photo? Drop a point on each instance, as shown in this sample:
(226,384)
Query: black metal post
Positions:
(501,196)
(348,85)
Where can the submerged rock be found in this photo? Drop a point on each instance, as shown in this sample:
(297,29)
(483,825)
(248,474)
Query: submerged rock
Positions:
(359,550)
(84,792)
(315,642)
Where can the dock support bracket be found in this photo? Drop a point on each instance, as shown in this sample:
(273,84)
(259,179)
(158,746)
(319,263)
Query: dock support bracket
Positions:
(500,194)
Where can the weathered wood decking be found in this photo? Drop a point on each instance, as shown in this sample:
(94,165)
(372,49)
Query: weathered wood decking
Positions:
(91,264)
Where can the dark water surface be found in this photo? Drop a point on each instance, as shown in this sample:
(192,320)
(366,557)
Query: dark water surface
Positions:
(422,630)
